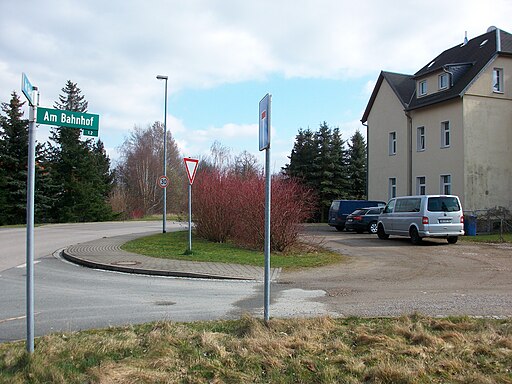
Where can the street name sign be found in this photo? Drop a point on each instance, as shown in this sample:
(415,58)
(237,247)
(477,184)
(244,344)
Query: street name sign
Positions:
(26,88)
(86,121)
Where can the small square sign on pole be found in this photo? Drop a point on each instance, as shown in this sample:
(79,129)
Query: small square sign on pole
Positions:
(264,122)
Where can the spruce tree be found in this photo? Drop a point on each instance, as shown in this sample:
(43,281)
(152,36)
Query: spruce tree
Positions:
(357,166)
(330,167)
(13,162)
(302,157)
(77,169)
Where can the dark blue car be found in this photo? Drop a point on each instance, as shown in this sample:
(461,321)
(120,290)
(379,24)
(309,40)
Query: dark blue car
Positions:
(340,209)
(364,220)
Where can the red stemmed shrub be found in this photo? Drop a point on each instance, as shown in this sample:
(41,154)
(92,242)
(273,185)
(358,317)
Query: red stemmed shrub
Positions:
(229,207)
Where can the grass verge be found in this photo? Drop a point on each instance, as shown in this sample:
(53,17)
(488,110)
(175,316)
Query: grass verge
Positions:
(411,349)
(492,238)
(174,245)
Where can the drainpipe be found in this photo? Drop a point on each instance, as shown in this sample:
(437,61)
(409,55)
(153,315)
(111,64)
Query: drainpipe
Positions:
(409,154)
(367,159)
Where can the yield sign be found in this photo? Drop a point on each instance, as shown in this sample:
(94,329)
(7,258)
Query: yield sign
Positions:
(191,166)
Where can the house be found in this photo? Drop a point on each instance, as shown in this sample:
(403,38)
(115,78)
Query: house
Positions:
(446,129)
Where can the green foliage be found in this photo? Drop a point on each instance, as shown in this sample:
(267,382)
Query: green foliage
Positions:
(78,171)
(13,162)
(357,166)
(320,161)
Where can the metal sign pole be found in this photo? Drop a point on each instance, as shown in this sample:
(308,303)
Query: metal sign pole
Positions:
(190,217)
(267,235)
(30,226)
(264,138)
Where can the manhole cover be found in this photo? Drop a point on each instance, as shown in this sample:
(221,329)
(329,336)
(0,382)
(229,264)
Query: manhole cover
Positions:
(125,263)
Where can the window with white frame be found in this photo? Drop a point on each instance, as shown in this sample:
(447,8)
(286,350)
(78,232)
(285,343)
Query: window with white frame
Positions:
(392,143)
(497,80)
(446,184)
(421,185)
(443,81)
(392,187)
(420,138)
(445,134)
(422,88)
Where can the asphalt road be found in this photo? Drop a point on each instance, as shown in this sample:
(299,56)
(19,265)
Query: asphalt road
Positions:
(70,298)
(378,278)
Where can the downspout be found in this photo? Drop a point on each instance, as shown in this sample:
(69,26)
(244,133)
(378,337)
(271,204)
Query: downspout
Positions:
(409,154)
(367,159)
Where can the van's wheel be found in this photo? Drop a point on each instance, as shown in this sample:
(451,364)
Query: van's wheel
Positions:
(340,228)
(372,228)
(415,237)
(381,233)
(452,239)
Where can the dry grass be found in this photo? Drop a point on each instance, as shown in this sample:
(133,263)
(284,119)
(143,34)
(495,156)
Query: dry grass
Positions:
(410,349)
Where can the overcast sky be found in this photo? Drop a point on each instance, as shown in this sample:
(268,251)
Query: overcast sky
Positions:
(318,58)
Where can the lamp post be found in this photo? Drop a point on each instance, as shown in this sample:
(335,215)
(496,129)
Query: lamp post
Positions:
(164,220)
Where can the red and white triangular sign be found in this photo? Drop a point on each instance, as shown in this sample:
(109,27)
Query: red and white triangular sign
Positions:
(191,166)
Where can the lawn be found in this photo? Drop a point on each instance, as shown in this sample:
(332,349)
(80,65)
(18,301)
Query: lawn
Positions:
(409,349)
(492,238)
(174,245)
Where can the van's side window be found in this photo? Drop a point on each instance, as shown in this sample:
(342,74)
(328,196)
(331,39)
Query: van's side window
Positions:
(389,207)
(408,205)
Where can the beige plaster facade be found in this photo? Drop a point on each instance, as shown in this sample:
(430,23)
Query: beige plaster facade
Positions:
(477,123)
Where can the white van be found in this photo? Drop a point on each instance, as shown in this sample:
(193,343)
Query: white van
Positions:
(422,216)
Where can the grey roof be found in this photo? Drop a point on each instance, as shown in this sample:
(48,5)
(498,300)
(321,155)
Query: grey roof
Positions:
(403,86)
(463,61)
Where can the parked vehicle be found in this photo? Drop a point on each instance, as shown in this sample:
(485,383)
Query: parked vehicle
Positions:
(340,209)
(422,216)
(364,220)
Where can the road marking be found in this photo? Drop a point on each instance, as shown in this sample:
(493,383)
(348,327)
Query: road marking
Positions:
(12,319)
(25,265)
(16,318)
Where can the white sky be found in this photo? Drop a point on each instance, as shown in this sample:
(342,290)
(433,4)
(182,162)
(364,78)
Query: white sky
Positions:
(318,58)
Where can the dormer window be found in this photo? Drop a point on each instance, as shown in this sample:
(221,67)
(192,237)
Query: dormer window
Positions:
(497,80)
(443,81)
(422,88)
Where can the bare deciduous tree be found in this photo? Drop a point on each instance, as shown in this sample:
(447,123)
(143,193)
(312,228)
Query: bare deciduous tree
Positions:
(141,165)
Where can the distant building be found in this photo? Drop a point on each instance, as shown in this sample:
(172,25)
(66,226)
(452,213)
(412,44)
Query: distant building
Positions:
(446,129)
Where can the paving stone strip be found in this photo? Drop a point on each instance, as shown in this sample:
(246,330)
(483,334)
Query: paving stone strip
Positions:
(106,253)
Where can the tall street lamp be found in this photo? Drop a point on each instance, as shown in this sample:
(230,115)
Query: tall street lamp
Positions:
(164,221)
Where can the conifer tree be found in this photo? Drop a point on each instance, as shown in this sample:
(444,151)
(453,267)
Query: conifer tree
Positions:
(330,173)
(77,173)
(302,157)
(13,162)
(357,166)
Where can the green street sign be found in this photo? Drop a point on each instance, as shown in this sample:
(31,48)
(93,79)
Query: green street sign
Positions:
(86,121)
(90,132)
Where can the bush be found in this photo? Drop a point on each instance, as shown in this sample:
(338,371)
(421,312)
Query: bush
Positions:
(227,206)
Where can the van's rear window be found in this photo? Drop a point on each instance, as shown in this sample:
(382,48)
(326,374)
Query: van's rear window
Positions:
(443,204)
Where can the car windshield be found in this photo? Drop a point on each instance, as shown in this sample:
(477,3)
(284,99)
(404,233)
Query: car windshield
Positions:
(358,212)
(443,204)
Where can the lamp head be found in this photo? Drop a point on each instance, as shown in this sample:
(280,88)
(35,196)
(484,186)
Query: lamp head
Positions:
(161,77)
